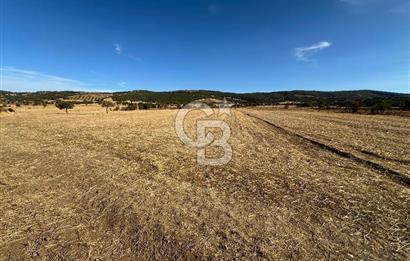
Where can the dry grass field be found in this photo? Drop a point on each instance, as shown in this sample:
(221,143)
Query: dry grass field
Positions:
(122,186)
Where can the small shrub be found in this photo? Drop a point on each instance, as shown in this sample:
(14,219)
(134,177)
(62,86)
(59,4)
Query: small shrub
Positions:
(353,107)
(37,103)
(323,105)
(130,107)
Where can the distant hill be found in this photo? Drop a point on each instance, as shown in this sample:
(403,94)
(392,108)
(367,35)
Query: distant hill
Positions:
(307,98)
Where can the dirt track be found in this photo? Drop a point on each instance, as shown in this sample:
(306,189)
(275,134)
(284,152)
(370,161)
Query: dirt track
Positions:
(91,185)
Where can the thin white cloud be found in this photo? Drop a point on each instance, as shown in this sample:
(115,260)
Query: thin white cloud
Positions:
(118,48)
(123,84)
(120,51)
(14,79)
(132,57)
(304,53)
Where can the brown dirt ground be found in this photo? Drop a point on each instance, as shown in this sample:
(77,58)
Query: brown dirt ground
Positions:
(87,185)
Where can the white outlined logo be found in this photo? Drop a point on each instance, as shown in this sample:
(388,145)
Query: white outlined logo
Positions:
(205,140)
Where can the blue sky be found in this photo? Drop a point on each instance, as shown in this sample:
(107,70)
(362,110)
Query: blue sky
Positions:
(231,45)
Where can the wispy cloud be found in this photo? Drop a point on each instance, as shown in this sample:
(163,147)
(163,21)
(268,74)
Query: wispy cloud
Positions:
(14,79)
(123,84)
(132,57)
(118,48)
(304,53)
(120,51)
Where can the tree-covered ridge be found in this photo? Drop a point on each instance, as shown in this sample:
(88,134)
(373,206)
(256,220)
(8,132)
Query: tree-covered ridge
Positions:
(305,98)
(339,98)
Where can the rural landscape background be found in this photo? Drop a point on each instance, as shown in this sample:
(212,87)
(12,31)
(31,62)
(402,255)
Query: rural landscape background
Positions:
(204,130)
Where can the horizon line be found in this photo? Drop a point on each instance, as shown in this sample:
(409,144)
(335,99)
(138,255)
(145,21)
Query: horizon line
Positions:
(209,90)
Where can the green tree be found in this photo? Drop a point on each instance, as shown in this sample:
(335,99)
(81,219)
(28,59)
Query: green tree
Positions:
(131,107)
(107,105)
(353,107)
(64,105)
(406,105)
(380,107)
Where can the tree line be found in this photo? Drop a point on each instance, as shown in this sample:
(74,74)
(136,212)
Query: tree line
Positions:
(375,101)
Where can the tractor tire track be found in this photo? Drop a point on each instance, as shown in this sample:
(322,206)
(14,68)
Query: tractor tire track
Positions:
(383,157)
(392,174)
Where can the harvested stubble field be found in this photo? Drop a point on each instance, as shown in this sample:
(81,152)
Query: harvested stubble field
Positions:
(301,185)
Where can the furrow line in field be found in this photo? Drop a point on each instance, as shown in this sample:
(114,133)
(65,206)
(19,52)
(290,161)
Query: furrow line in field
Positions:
(382,157)
(392,174)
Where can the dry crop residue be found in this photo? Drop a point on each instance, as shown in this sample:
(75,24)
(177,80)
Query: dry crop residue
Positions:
(122,185)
